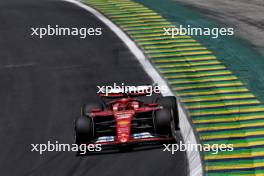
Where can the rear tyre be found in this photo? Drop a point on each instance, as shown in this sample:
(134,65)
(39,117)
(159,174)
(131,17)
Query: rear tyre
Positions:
(84,130)
(88,108)
(170,102)
(163,120)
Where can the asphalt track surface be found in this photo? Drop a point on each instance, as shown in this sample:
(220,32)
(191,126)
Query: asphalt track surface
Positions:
(45,81)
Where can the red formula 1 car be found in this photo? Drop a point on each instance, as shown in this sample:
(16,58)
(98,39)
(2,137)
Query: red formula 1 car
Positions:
(127,120)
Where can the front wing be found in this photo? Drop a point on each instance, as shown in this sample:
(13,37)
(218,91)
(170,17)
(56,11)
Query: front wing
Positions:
(139,138)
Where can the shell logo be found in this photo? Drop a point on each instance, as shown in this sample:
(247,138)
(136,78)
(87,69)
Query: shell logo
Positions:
(123,122)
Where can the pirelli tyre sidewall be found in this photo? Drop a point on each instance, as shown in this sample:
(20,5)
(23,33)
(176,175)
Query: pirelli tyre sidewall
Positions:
(170,102)
(162,121)
(84,130)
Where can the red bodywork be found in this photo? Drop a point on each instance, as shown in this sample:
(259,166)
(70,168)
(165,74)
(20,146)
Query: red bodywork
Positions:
(124,111)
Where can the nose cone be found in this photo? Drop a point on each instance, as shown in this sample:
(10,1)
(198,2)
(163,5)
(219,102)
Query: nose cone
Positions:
(123,125)
(124,139)
(123,130)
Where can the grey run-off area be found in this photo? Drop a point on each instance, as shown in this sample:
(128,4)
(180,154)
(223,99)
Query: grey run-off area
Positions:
(247,17)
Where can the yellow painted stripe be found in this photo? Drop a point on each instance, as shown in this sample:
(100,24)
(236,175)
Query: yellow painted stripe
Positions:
(186,64)
(244,143)
(218,98)
(149,28)
(160,38)
(223,72)
(170,46)
(181,54)
(188,61)
(212,92)
(139,9)
(220,119)
(235,155)
(121,11)
(145,31)
(141,28)
(229,127)
(175,50)
(237,166)
(185,59)
(143,36)
(167,41)
(248,144)
(121,6)
(227,111)
(221,104)
(225,136)
(193,80)
(133,15)
(207,86)
(142,24)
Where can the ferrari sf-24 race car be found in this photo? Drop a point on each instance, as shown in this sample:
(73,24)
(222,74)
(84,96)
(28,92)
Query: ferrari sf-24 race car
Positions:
(126,120)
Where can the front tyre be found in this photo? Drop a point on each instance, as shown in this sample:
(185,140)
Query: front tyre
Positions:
(164,122)
(170,102)
(84,130)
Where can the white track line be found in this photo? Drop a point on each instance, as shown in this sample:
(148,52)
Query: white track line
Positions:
(194,160)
